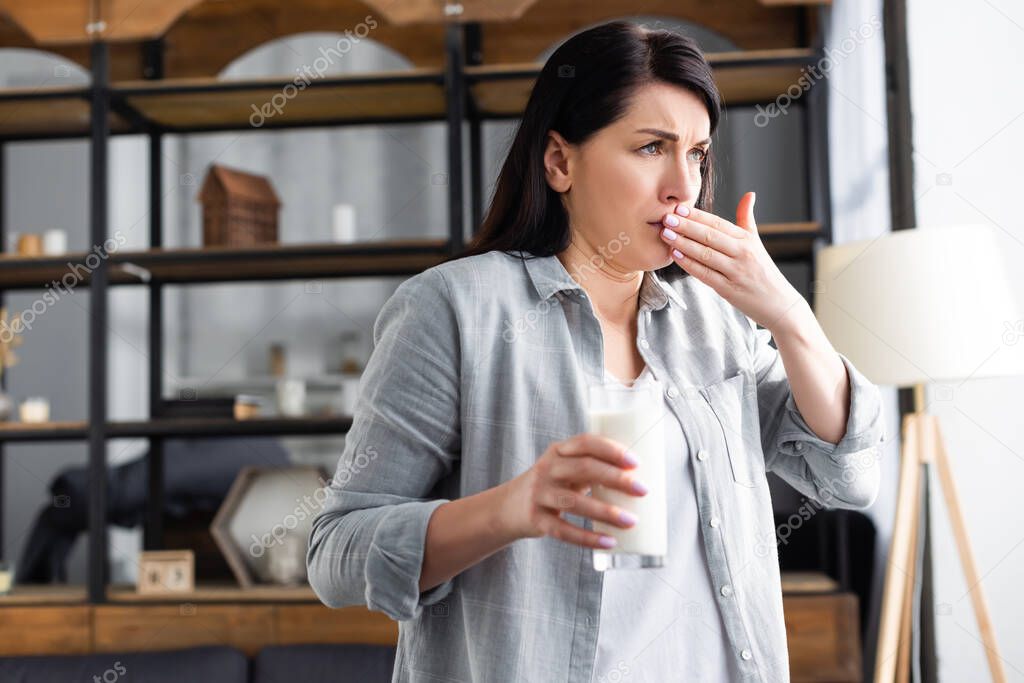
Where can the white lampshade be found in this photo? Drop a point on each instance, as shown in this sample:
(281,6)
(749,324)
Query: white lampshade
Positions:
(923,305)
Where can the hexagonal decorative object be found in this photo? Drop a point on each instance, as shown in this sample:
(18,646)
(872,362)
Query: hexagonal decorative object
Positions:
(263,526)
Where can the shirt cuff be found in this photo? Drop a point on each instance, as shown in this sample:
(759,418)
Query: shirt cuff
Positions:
(394,562)
(864,427)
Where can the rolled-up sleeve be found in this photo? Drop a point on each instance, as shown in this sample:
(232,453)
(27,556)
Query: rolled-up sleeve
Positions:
(840,475)
(366,544)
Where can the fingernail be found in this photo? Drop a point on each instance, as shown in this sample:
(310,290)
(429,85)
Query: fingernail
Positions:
(683,210)
(672,220)
(606,542)
(627,517)
(639,487)
(631,458)
(678,254)
(669,234)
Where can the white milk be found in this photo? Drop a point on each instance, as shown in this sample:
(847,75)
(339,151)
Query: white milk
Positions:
(642,432)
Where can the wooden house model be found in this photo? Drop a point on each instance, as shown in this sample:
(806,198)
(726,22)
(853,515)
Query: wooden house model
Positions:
(239,209)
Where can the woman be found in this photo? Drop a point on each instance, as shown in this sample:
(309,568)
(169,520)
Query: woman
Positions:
(459,506)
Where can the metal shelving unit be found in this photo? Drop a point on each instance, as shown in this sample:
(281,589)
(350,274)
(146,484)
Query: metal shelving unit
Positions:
(462,91)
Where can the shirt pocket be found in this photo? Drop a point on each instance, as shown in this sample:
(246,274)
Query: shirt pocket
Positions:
(732,402)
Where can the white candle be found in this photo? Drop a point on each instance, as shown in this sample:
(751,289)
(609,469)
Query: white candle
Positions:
(344,227)
(55,242)
(34,410)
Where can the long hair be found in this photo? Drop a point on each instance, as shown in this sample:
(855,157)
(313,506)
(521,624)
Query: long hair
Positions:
(585,85)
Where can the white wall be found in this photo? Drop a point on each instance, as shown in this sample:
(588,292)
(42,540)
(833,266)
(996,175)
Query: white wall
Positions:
(968,118)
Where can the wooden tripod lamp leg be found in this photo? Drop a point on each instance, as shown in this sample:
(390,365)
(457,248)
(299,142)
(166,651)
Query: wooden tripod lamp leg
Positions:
(906,642)
(963,543)
(897,566)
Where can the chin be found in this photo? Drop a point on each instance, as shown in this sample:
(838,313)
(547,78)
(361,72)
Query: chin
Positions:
(646,257)
(659,263)
(650,259)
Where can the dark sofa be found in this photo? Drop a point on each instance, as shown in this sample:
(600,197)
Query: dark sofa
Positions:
(276,664)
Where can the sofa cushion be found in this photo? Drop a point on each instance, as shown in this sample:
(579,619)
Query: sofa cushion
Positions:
(221,664)
(350,663)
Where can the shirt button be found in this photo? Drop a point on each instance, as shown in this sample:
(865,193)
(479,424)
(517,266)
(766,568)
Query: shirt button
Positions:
(672,392)
(799,446)
(702,454)
(746,654)
(644,344)
(726,590)
(715,522)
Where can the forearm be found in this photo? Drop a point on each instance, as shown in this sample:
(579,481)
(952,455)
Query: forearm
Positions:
(816,374)
(463,532)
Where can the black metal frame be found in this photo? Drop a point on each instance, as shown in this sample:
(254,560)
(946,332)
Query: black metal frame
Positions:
(97,577)
(462,48)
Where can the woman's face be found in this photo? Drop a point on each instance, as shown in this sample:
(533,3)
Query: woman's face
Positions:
(623,181)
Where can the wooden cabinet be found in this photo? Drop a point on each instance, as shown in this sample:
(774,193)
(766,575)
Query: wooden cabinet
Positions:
(822,626)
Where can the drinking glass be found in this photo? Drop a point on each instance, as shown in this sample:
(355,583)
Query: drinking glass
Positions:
(632,415)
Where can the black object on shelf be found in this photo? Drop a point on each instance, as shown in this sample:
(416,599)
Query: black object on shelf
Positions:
(197,474)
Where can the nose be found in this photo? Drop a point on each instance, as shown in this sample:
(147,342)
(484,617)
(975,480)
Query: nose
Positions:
(682,184)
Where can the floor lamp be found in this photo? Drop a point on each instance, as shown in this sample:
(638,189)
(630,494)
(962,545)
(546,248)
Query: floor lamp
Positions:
(913,307)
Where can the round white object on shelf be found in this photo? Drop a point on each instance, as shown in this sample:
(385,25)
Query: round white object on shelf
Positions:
(34,410)
(55,242)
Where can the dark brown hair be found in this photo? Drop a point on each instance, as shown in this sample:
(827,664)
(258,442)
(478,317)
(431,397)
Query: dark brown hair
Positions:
(584,86)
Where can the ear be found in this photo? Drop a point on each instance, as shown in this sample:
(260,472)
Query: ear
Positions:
(556,162)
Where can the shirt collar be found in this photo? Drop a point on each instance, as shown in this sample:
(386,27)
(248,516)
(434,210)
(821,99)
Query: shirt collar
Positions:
(550,276)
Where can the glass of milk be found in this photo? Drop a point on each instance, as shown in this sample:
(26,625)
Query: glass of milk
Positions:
(633,416)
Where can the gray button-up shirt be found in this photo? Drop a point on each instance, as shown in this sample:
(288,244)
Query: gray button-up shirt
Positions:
(478,365)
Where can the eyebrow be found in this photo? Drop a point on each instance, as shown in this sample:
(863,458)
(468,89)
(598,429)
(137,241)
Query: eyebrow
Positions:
(668,136)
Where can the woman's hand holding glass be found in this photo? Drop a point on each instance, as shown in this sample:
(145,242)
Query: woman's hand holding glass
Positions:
(559,482)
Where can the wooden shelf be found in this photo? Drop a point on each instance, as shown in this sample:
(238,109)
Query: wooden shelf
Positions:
(31,272)
(230,264)
(790,241)
(793,583)
(211,104)
(54,112)
(743,78)
(180,427)
(43,431)
(414,95)
(44,594)
(801,583)
(298,261)
(129,626)
(226,592)
(195,105)
(288,261)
